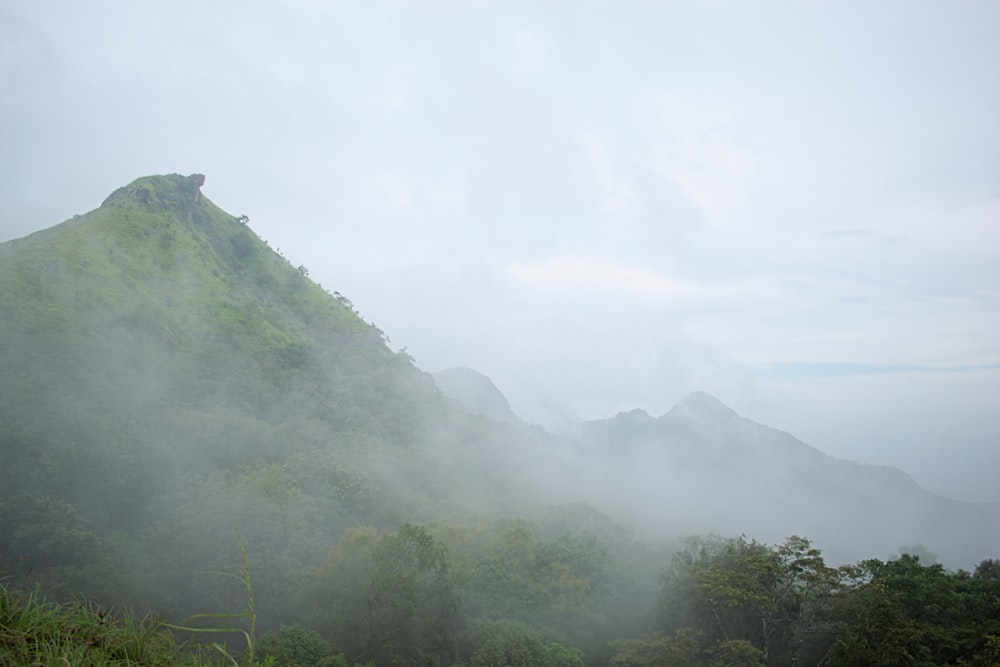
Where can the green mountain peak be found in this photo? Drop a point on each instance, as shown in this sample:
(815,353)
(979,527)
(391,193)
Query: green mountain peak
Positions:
(171,191)
(164,324)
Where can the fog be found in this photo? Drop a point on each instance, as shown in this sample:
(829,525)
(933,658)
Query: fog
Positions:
(602,207)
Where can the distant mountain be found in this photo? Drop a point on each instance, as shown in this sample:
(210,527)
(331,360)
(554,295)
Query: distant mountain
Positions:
(475,392)
(701,466)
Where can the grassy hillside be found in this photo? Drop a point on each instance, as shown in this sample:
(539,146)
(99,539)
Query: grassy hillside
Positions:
(163,367)
(160,283)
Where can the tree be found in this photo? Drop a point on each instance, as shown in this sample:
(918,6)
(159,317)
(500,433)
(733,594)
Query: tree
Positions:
(736,653)
(683,647)
(412,602)
(297,647)
(778,600)
(489,643)
(388,598)
(921,552)
(48,542)
(907,613)
(722,588)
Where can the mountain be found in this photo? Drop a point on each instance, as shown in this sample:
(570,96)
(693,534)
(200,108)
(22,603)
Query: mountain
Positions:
(158,337)
(475,392)
(703,467)
(166,374)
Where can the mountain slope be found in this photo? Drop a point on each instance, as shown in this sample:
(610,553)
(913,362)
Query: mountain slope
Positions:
(157,336)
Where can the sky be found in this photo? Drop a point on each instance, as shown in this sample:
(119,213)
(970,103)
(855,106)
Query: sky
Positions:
(794,206)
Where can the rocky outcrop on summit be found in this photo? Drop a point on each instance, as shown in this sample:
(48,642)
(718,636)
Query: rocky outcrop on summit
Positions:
(154,192)
(193,185)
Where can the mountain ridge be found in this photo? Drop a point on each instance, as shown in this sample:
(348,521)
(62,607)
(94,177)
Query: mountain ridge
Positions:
(708,445)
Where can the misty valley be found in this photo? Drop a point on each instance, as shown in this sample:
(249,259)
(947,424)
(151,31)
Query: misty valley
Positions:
(210,459)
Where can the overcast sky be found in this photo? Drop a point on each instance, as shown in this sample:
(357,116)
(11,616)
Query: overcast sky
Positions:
(601,205)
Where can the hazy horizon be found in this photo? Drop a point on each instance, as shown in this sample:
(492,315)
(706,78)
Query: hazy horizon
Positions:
(601,207)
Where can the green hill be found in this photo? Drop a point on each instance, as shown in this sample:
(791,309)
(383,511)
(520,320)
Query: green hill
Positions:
(160,327)
(163,367)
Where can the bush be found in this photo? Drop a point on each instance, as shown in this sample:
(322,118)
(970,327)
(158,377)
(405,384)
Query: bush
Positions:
(293,646)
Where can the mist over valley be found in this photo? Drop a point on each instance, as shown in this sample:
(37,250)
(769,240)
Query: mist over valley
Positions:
(168,377)
(561,334)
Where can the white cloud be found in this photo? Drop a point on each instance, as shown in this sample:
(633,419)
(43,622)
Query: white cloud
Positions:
(596,274)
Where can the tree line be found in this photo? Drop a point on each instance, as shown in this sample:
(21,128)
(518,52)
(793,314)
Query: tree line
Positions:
(568,588)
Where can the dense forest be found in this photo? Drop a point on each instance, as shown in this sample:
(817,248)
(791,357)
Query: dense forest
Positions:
(549,593)
(209,458)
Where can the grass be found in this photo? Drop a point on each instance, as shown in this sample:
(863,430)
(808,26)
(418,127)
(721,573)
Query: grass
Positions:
(34,631)
(249,633)
(168,275)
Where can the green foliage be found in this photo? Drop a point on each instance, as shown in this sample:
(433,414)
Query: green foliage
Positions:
(779,600)
(749,603)
(294,646)
(907,613)
(988,570)
(488,643)
(41,532)
(514,571)
(736,653)
(553,575)
(682,647)
(36,632)
(921,553)
(244,245)
(685,647)
(387,597)
(47,541)
(411,598)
